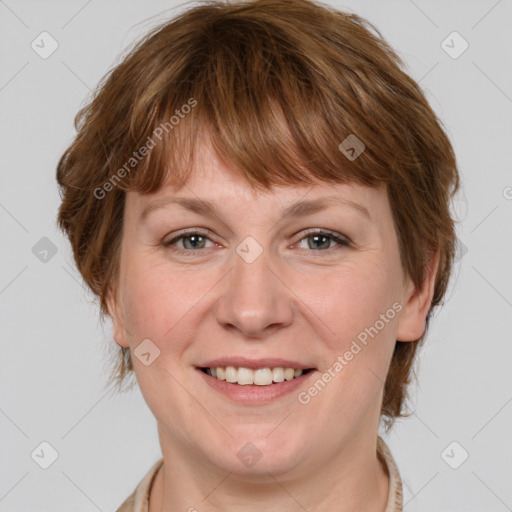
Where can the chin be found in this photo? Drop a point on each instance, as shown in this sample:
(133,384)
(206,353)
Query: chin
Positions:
(253,454)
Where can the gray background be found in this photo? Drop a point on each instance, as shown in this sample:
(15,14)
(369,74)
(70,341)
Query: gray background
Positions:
(54,352)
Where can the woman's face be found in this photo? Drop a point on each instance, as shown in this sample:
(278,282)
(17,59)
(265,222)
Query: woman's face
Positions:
(321,288)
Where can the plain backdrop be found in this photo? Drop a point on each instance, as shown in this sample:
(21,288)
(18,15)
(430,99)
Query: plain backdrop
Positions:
(454,452)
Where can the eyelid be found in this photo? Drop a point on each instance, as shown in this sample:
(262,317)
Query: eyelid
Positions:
(333,234)
(190,231)
(339,238)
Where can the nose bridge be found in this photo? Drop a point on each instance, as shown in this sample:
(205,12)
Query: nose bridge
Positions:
(254,298)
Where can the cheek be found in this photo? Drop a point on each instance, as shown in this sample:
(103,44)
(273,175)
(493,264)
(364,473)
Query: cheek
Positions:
(156,303)
(351,300)
(156,299)
(359,311)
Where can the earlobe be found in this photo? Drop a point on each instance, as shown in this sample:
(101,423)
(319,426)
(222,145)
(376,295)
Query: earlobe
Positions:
(117,320)
(417,302)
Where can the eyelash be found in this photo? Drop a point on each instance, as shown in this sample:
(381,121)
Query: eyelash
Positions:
(336,237)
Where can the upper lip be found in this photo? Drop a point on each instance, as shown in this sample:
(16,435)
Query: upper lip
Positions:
(244,362)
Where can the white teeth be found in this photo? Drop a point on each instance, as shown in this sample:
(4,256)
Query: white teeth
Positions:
(262,376)
(259,377)
(245,376)
(231,374)
(289,373)
(278,374)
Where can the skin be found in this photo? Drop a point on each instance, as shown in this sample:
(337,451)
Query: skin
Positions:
(298,300)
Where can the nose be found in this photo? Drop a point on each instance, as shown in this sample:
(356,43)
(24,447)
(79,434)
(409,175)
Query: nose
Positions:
(255,300)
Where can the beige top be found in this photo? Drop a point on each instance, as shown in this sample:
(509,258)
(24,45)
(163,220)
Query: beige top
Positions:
(138,501)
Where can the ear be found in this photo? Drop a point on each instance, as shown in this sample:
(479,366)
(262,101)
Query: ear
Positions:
(116,315)
(416,304)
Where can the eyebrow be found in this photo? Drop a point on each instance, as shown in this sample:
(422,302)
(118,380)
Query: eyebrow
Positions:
(298,209)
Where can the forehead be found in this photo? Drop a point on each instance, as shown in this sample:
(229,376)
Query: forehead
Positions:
(216,181)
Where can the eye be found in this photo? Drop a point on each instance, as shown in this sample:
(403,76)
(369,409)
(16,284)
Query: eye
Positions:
(321,239)
(193,241)
(190,241)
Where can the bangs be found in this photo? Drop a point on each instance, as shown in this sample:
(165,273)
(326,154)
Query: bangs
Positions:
(266,109)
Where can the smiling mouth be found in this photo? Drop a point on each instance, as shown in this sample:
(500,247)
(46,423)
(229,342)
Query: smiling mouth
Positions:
(259,377)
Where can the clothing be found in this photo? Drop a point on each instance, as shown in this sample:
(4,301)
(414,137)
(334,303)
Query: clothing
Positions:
(138,501)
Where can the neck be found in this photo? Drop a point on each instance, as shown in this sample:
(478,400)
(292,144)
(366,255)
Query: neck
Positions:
(351,479)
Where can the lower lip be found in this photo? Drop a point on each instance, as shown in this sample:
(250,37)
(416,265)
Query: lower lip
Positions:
(250,393)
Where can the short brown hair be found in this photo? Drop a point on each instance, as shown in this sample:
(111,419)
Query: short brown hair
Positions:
(276,85)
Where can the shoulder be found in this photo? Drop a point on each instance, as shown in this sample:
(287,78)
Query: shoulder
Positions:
(128,504)
(139,498)
(395,493)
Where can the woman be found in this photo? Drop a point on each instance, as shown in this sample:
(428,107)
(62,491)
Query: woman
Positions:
(259,197)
